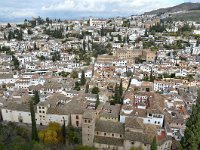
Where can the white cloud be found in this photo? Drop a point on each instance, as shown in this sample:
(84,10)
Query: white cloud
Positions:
(77,8)
(120,6)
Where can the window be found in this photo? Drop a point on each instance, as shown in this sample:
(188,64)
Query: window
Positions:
(132,142)
(88,121)
(158,122)
(105,134)
(97,133)
(120,135)
(77,123)
(85,121)
(112,135)
(155,122)
(77,117)
(43,111)
(39,111)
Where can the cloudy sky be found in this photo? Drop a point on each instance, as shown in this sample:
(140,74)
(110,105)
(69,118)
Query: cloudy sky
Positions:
(20,9)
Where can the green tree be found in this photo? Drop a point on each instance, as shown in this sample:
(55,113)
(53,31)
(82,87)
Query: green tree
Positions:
(87,88)
(121,88)
(191,138)
(95,90)
(74,74)
(4,36)
(35,47)
(34,128)
(15,62)
(41,58)
(36,97)
(55,56)
(72,135)
(52,134)
(63,130)
(83,80)
(77,86)
(97,101)
(117,98)
(154,144)
(30,31)
(84,45)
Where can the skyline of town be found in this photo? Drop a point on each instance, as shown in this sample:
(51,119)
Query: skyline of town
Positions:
(17,11)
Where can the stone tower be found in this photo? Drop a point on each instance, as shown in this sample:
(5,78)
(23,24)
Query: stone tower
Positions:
(88,127)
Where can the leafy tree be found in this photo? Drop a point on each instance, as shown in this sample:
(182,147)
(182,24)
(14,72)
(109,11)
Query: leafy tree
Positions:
(34,128)
(191,138)
(87,88)
(41,58)
(74,74)
(72,135)
(52,134)
(55,56)
(15,62)
(98,49)
(139,60)
(77,86)
(64,74)
(83,80)
(154,144)
(129,73)
(97,101)
(95,90)
(157,28)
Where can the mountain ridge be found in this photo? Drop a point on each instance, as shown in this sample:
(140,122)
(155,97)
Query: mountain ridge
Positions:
(181,7)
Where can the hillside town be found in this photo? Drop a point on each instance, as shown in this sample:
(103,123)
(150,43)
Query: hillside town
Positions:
(122,82)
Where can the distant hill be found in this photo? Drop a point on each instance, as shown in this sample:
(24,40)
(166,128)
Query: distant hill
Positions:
(181,7)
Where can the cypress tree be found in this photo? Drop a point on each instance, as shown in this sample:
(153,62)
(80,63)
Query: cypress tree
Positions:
(154,144)
(83,80)
(63,130)
(97,101)
(34,128)
(87,88)
(121,89)
(191,138)
(121,92)
(36,97)
(84,45)
(117,95)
